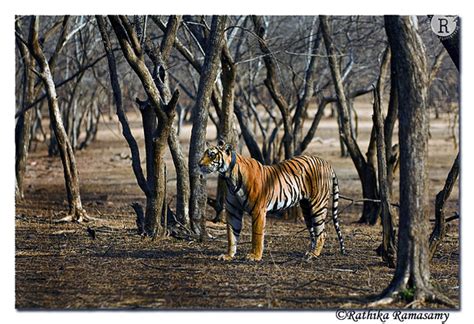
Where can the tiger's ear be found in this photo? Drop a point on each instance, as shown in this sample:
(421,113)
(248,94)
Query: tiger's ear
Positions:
(229,148)
(220,143)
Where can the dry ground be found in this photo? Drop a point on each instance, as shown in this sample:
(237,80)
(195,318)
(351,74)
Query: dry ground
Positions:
(58,266)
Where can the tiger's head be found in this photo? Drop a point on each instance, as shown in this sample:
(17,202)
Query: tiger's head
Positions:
(216,158)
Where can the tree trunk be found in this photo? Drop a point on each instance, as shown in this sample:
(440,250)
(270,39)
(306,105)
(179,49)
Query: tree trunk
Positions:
(92,123)
(439,229)
(153,148)
(23,124)
(156,133)
(198,198)
(154,214)
(314,126)
(392,155)
(122,117)
(76,211)
(182,180)
(365,171)
(247,133)
(412,271)
(160,60)
(387,249)
(226,121)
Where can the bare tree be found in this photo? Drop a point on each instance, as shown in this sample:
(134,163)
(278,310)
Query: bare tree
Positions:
(160,61)
(365,169)
(198,198)
(412,270)
(26,128)
(273,86)
(23,125)
(76,211)
(122,117)
(157,120)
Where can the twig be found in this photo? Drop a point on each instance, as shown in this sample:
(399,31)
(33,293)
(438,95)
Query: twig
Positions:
(108,249)
(150,266)
(64,232)
(362,200)
(343,270)
(342,210)
(454,217)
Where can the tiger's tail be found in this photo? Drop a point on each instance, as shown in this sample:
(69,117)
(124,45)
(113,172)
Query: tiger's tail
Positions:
(335,203)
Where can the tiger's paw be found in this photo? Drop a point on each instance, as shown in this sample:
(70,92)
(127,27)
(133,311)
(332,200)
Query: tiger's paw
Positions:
(253,257)
(310,255)
(225,257)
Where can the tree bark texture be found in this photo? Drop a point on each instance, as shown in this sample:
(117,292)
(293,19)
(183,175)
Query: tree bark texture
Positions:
(198,197)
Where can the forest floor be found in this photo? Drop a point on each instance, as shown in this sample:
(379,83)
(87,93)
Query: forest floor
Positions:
(59,266)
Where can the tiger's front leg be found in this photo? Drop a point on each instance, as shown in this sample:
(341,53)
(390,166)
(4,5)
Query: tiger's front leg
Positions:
(258,232)
(234,226)
(232,241)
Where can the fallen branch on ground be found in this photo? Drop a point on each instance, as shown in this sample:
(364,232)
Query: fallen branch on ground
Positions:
(361,201)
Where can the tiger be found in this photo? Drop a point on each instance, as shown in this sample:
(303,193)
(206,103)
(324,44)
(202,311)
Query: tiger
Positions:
(257,189)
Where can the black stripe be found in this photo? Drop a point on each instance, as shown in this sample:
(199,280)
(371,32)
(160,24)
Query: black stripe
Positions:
(301,176)
(230,204)
(279,182)
(291,174)
(253,207)
(239,181)
(244,203)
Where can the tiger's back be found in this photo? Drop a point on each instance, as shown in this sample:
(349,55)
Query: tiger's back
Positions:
(302,177)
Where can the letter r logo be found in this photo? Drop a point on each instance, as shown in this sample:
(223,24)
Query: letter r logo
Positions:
(444,26)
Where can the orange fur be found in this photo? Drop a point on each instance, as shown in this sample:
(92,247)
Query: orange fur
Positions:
(257,188)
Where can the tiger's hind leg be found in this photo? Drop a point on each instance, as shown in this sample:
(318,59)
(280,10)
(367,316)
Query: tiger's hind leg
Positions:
(315,222)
